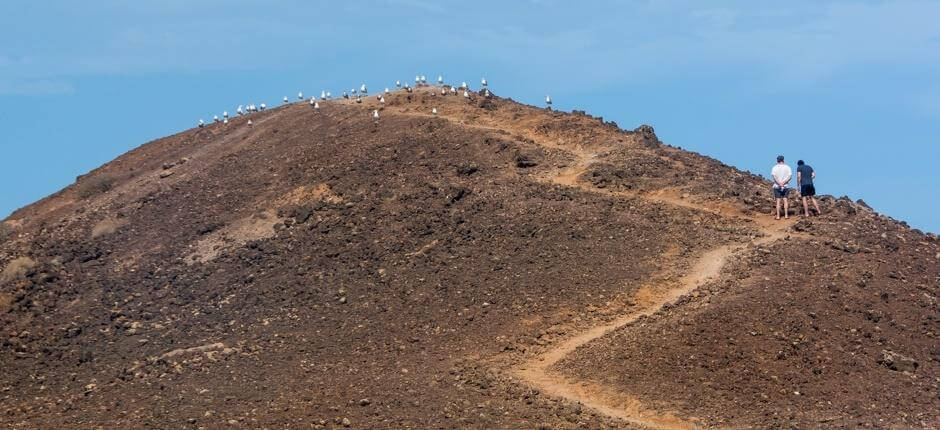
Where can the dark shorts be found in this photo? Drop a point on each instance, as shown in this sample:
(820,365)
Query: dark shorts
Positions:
(807,190)
(781,193)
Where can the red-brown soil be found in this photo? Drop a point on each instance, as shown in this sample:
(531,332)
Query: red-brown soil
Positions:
(319,269)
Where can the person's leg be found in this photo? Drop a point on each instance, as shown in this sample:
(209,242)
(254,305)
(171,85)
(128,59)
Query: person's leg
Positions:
(777,201)
(816,205)
(786,207)
(805,207)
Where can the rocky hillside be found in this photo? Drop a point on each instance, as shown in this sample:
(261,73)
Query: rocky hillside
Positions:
(320,269)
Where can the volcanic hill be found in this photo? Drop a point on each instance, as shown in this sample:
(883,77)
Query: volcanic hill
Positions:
(493,266)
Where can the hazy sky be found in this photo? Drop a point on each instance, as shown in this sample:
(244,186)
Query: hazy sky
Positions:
(852,87)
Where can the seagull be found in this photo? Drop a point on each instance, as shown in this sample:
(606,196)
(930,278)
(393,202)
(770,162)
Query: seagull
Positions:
(362,89)
(386,90)
(424,79)
(548,100)
(202,123)
(345,95)
(358,99)
(375,115)
(215,118)
(322,95)
(398,84)
(486,92)
(443,91)
(312,100)
(285,99)
(249,123)
(263,106)
(300,95)
(225,114)
(463,85)
(382,100)
(440,80)
(239,110)
(483,82)
(225,121)
(434,111)
(417,79)
(352,90)
(328,95)
(466,95)
(316,105)
(453,90)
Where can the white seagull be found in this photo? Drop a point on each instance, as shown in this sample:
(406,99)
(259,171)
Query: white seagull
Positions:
(225,121)
(322,95)
(239,110)
(262,106)
(466,95)
(362,89)
(434,111)
(548,100)
(483,82)
(386,90)
(328,95)
(382,100)
(398,84)
(345,95)
(215,118)
(249,123)
(225,114)
(358,99)
(375,115)
(300,95)
(202,123)
(313,101)
(443,91)
(285,99)
(440,80)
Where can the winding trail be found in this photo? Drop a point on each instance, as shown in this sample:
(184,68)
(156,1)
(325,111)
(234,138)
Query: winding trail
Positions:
(535,371)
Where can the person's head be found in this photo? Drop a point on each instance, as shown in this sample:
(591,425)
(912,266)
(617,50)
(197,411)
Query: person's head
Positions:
(780,159)
(800,163)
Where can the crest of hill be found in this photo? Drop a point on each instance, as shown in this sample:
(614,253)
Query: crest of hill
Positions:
(318,265)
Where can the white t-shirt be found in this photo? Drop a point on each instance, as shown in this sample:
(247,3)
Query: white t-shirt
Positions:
(781,173)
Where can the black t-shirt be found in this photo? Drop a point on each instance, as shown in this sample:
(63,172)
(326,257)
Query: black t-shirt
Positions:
(806,174)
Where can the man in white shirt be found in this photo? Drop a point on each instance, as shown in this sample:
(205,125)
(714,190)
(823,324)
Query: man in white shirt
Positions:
(781,175)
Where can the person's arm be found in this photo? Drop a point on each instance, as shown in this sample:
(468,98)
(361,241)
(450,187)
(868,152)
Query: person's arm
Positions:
(799,177)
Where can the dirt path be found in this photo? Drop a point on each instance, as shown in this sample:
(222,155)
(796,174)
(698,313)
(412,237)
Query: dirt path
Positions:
(535,371)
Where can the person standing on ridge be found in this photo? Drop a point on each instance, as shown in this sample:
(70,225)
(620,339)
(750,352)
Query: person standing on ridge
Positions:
(804,176)
(781,174)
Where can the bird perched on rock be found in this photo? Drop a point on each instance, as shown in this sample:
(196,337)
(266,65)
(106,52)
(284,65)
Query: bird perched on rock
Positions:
(440,80)
(202,123)
(225,114)
(375,115)
(358,99)
(225,121)
(382,100)
(363,90)
(345,95)
(407,88)
(434,111)
(463,85)
(316,106)
(313,101)
(215,118)
(328,95)
(239,110)
(548,100)
(486,93)
(453,90)
(262,106)
(353,91)
(249,123)
(322,95)
(386,90)
(466,95)
(300,95)
(443,91)
(285,99)
(424,80)
(483,82)
(398,84)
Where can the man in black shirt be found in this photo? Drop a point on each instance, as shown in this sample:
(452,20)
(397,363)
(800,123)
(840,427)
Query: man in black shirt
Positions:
(804,177)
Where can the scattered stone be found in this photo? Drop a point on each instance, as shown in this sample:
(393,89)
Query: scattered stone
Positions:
(364,402)
(346,422)
(166,173)
(897,362)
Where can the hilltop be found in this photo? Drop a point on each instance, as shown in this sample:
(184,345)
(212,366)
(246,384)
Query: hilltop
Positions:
(495,265)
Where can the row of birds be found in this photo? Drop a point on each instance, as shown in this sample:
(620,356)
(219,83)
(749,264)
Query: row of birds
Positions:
(420,80)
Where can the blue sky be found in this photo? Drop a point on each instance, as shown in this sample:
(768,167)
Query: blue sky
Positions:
(850,86)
